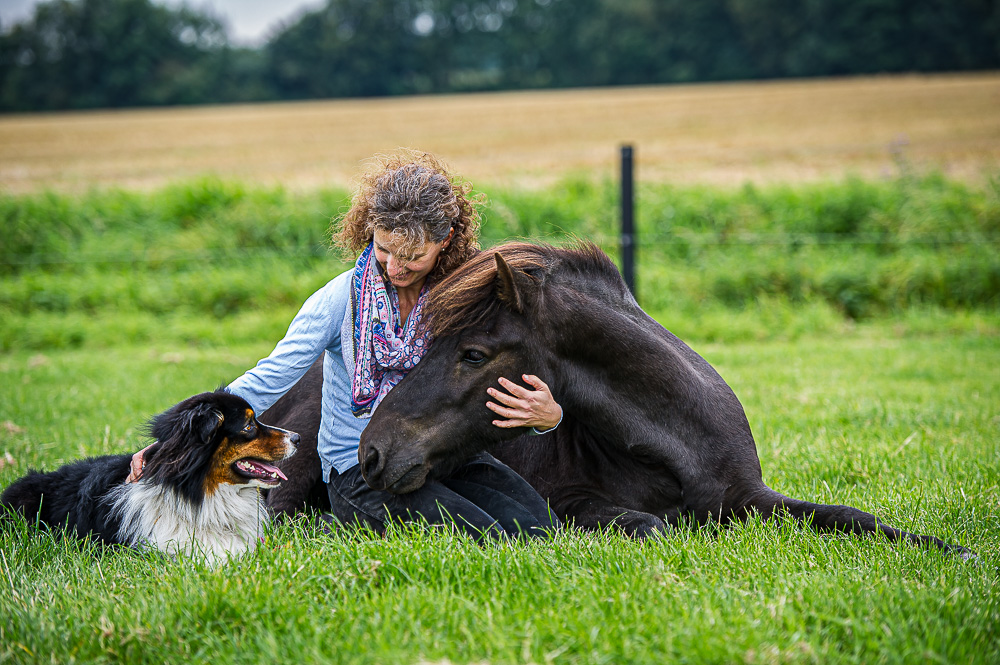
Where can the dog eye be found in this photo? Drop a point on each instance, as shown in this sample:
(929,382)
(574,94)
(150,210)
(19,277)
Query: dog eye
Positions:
(249,428)
(474,357)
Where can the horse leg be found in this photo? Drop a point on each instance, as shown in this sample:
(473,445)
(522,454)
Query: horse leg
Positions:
(845,519)
(593,514)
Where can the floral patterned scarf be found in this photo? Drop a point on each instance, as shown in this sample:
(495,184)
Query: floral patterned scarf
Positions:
(384,350)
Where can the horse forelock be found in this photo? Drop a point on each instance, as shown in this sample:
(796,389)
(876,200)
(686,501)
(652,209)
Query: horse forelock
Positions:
(468,298)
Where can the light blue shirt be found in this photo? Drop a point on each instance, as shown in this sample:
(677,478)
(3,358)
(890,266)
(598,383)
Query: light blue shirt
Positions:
(323,324)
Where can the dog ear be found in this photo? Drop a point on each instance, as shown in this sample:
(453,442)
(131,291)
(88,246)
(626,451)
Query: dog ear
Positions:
(515,288)
(180,458)
(206,422)
(197,423)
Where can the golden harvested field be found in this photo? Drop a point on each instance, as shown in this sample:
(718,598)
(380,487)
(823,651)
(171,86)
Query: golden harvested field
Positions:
(721,133)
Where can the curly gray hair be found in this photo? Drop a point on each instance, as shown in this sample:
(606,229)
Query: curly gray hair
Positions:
(412,197)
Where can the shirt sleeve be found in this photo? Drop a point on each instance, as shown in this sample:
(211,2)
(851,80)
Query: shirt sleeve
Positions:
(316,328)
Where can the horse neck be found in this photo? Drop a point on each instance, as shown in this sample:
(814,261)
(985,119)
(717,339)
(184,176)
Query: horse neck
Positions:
(619,370)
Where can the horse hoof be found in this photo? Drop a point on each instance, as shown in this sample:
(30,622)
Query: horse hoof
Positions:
(328,524)
(641,525)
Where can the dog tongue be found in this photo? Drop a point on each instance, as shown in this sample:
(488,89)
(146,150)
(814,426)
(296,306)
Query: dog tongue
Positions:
(269,469)
(274,469)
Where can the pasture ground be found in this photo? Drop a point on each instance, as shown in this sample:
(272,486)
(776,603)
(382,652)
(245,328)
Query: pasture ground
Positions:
(904,428)
(719,134)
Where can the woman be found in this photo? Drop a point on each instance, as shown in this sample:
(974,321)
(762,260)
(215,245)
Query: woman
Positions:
(412,224)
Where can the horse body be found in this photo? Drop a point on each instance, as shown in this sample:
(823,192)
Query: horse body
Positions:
(651,433)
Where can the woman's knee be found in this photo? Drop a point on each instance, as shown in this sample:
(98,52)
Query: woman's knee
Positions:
(354,503)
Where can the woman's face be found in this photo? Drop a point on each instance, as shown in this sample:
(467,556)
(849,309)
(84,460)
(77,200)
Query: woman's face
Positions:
(406,268)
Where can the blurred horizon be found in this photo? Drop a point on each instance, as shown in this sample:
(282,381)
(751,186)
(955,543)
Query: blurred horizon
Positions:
(249,22)
(92,54)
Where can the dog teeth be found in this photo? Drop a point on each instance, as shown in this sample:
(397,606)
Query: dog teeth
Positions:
(252,468)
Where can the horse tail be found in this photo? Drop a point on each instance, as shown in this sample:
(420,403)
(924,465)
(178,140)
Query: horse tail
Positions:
(844,519)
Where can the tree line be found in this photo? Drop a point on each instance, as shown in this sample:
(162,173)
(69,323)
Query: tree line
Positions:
(76,54)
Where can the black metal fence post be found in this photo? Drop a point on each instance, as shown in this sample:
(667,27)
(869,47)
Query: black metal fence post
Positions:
(628,220)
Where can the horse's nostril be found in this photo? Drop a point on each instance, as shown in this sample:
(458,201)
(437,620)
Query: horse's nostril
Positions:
(371,463)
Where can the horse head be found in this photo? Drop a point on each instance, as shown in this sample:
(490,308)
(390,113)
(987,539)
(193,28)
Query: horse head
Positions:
(486,319)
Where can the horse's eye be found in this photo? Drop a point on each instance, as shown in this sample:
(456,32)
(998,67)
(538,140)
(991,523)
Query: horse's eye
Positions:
(474,357)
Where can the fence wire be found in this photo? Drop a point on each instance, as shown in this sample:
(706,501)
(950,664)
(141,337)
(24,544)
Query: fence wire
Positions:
(707,239)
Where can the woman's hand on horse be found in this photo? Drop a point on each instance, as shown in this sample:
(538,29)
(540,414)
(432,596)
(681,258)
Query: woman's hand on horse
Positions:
(523,407)
(138,462)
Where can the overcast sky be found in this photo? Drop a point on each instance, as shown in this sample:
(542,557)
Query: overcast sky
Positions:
(249,21)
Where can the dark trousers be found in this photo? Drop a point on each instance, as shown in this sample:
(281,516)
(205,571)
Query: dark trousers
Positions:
(483,498)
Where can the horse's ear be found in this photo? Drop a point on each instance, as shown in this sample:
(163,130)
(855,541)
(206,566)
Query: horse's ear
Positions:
(514,287)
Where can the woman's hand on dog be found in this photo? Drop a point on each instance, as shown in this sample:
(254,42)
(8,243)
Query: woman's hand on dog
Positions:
(138,462)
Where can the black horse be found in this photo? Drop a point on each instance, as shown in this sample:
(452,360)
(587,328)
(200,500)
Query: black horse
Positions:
(651,433)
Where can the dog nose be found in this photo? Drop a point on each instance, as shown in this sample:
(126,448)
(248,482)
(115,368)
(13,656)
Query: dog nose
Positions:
(371,467)
(294,438)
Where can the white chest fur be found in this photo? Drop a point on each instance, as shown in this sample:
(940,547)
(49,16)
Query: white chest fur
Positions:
(226,524)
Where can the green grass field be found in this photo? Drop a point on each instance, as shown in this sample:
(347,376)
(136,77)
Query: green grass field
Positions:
(905,428)
(858,322)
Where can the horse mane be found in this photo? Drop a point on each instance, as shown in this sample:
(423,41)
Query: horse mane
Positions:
(467,297)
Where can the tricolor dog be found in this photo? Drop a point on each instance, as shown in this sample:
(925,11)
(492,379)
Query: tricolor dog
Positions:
(199,492)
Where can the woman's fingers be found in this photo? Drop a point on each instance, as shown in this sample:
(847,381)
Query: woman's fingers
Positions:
(514,410)
(135,469)
(514,389)
(515,417)
(505,398)
(510,421)
(498,409)
(523,407)
(137,464)
(535,382)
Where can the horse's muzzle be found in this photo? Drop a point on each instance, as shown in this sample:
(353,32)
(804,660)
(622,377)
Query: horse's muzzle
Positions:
(398,477)
(371,465)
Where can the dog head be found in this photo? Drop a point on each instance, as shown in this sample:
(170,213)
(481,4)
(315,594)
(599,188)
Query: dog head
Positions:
(213,439)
